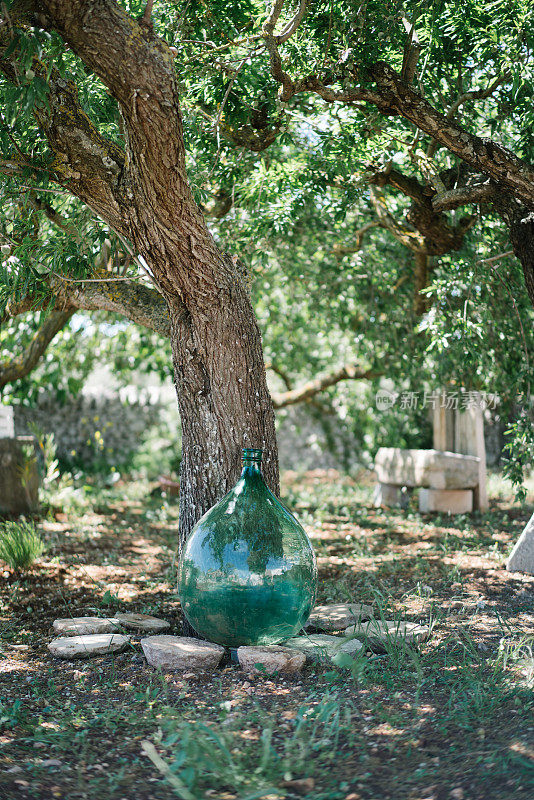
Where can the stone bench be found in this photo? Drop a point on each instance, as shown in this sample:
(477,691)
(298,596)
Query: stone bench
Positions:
(446,480)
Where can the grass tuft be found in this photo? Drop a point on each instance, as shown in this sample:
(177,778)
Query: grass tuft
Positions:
(20,544)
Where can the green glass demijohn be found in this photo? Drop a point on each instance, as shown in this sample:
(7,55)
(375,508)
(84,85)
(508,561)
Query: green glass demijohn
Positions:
(247,574)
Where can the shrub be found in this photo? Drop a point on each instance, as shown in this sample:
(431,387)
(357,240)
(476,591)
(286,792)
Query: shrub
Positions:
(20,544)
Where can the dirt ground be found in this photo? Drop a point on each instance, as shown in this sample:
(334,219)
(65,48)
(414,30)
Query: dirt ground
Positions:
(452,719)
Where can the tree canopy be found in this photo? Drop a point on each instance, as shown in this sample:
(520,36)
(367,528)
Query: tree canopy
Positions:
(368,163)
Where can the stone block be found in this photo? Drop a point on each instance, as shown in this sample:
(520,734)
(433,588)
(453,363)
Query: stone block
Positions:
(338,616)
(19,476)
(99,644)
(142,622)
(7,422)
(271,659)
(388,495)
(81,626)
(435,469)
(321,646)
(379,632)
(181,653)
(447,501)
(521,559)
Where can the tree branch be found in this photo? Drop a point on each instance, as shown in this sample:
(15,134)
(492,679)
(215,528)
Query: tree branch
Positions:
(85,162)
(395,96)
(412,51)
(270,23)
(453,198)
(407,184)
(438,235)
(146,19)
(292,26)
(21,366)
(483,154)
(340,250)
(54,216)
(305,393)
(465,97)
(402,233)
(140,304)
(282,374)
(138,69)
(420,301)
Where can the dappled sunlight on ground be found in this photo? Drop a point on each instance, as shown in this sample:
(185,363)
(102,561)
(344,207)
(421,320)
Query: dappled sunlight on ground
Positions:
(410,724)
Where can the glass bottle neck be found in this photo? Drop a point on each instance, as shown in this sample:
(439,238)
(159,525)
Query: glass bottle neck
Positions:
(251,458)
(250,467)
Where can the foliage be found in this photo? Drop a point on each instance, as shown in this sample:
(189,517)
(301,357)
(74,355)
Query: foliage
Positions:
(519,451)
(20,544)
(293,208)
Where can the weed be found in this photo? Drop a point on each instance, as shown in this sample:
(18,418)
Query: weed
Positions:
(12,714)
(247,755)
(109,599)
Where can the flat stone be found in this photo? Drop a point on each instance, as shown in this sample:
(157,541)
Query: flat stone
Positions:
(521,559)
(97,644)
(320,646)
(79,626)
(338,616)
(447,501)
(270,659)
(181,653)
(378,632)
(436,469)
(143,622)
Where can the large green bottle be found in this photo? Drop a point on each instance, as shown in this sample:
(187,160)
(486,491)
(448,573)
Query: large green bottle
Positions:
(247,573)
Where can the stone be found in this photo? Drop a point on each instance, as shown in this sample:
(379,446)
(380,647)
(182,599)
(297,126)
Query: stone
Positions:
(469,440)
(80,626)
(447,501)
(320,646)
(7,422)
(19,475)
(181,653)
(521,559)
(386,494)
(96,644)
(434,469)
(338,616)
(443,424)
(270,659)
(378,632)
(142,622)
(300,786)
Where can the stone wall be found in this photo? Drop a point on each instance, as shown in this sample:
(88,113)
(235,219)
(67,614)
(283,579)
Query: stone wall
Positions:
(90,431)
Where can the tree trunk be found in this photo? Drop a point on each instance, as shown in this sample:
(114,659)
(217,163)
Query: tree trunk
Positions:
(219,370)
(223,399)
(420,301)
(521,227)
